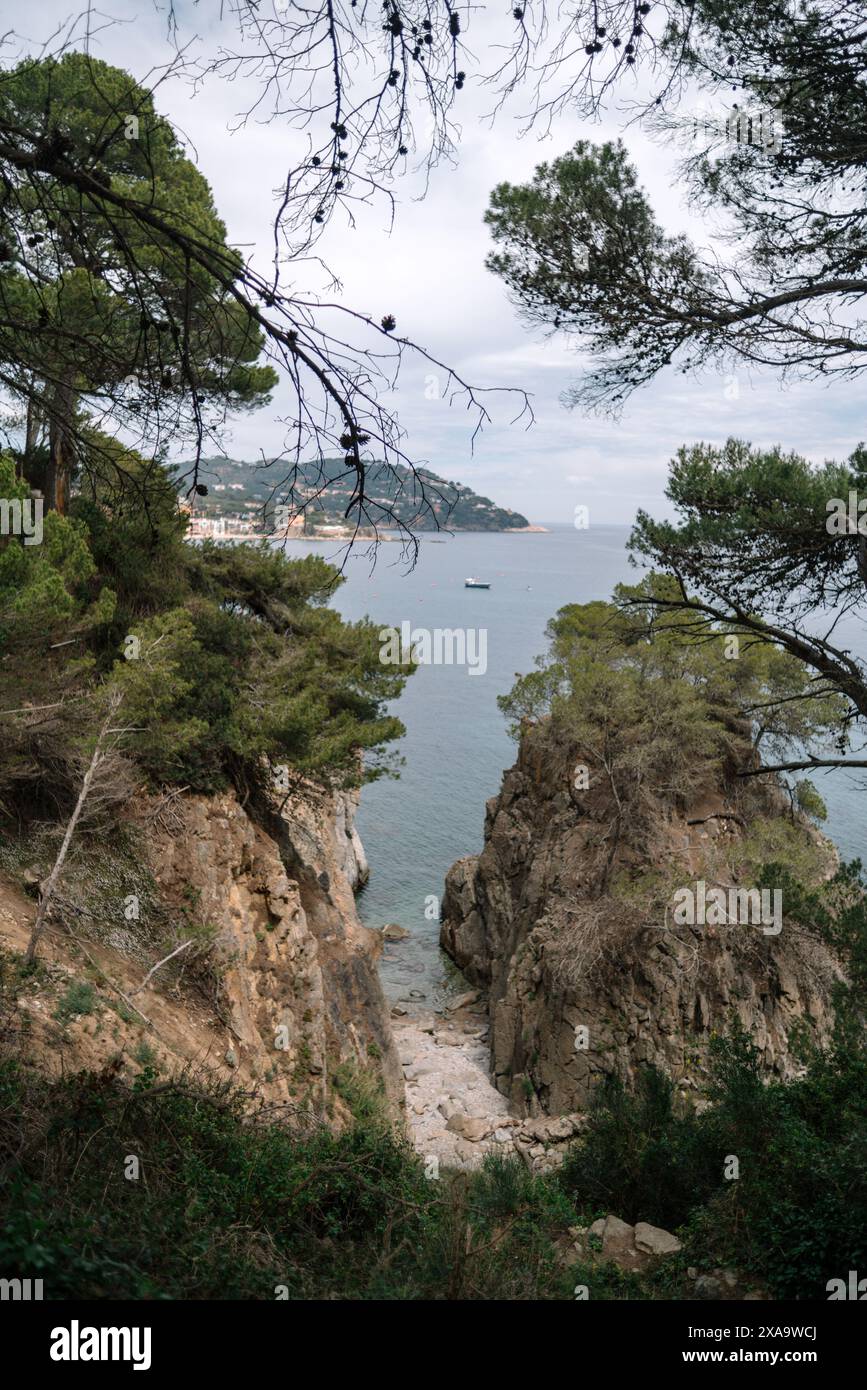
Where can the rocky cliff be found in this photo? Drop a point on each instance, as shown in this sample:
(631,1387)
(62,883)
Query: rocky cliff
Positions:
(584,982)
(280,985)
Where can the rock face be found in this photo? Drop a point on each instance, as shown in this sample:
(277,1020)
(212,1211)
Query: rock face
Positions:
(349,850)
(581,983)
(281,985)
(296,965)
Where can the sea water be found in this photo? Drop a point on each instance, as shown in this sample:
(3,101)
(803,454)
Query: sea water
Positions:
(456,745)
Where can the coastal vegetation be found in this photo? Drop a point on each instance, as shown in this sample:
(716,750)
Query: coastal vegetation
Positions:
(141,672)
(230,1207)
(228,661)
(235,1203)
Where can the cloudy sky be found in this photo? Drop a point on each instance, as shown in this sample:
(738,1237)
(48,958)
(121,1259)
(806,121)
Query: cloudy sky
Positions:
(428,270)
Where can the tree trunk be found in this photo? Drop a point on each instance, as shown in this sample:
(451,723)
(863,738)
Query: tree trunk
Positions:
(53,878)
(58,470)
(34,424)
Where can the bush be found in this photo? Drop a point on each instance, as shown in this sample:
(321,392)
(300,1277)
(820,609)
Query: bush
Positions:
(639,1159)
(79,999)
(795,1215)
(233,1206)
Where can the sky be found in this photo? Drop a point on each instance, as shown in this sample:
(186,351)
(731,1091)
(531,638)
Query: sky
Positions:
(427,268)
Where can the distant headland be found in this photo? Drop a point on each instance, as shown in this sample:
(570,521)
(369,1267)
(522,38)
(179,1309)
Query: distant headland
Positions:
(242,499)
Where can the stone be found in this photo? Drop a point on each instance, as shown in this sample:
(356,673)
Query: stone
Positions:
(471,1127)
(706,1286)
(618,1237)
(449,1108)
(392,931)
(564,1250)
(653,1240)
(420,1069)
(559,1127)
(471,997)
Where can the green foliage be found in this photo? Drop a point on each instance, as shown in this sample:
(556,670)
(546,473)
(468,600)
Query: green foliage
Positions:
(639,1158)
(649,701)
(100,302)
(755,522)
(46,584)
(229,1207)
(809,801)
(228,658)
(79,998)
(574,246)
(130,508)
(620,699)
(756,550)
(796,1214)
(156,694)
(775,839)
(782,282)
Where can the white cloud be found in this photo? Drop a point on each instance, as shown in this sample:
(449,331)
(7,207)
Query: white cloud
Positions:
(429,272)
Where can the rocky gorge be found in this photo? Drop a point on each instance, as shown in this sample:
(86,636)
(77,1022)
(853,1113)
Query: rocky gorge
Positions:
(279,994)
(567,987)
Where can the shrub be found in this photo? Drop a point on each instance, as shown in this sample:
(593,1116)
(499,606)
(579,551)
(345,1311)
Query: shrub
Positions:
(796,1214)
(79,999)
(232,1206)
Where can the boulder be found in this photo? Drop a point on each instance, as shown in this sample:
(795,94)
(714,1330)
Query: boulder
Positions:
(654,1241)
(618,1239)
(471,997)
(471,1127)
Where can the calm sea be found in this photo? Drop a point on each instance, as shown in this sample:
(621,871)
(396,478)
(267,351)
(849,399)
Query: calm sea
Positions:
(456,746)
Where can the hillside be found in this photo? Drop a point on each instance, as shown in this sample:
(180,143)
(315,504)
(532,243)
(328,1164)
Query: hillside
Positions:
(248,492)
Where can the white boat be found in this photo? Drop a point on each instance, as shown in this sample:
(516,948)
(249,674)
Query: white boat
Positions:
(477,584)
